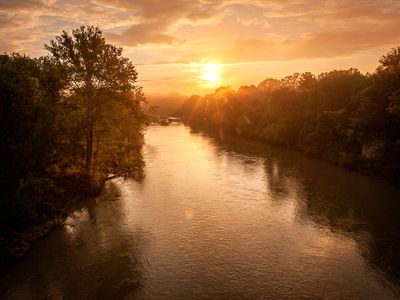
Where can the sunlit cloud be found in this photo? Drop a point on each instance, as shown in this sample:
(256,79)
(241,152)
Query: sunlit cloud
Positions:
(160,35)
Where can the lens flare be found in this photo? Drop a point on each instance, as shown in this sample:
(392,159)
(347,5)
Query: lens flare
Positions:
(189,214)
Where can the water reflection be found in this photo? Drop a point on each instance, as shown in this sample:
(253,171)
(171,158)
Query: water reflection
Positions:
(221,220)
(92,257)
(365,209)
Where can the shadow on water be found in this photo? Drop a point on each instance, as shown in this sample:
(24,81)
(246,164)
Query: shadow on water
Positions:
(94,256)
(345,202)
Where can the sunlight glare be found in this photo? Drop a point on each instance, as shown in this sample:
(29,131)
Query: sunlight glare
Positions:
(210,73)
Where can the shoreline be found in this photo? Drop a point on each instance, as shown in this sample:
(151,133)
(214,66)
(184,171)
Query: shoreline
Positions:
(16,242)
(212,132)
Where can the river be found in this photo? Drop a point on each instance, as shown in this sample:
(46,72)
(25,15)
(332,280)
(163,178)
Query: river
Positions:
(215,219)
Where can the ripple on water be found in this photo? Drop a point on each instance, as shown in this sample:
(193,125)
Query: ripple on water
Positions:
(221,220)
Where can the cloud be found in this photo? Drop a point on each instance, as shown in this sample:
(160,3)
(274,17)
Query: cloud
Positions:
(8,21)
(157,17)
(297,29)
(228,30)
(170,10)
(145,33)
(331,44)
(318,45)
(18,5)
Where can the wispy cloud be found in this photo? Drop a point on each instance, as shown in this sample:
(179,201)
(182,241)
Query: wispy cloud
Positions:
(160,32)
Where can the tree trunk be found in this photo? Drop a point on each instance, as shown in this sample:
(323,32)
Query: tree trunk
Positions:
(89,149)
(96,139)
(89,132)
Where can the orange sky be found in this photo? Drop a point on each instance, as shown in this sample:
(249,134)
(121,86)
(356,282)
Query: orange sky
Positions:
(172,42)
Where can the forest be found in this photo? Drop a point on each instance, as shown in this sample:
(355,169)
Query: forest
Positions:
(69,121)
(343,116)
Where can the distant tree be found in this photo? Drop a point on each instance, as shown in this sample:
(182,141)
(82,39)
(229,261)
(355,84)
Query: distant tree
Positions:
(391,61)
(338,115)
(291,81)
(307,80)
(97,75)
(269,84)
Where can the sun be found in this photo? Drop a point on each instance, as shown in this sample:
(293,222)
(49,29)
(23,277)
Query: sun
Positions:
(210,73)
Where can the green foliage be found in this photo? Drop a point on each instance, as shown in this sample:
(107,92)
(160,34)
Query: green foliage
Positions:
(342,116)
(101,85)
(68,121)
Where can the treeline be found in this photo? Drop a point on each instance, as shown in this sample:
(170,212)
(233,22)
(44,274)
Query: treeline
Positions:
(163,105)
(68,121)
(343,116)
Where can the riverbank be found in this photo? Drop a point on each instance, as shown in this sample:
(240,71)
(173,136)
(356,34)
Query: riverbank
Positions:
(16,242)
(41,204)
(57,143)
(344,117)
(367,168)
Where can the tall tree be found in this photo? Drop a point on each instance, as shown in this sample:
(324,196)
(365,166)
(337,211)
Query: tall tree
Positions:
(96,73)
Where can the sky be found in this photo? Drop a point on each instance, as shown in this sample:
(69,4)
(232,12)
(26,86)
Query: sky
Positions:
(194,46)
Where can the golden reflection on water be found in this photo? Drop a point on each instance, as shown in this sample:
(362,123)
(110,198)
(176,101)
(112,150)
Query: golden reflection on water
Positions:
(71,224)
(239,218)
(223,220)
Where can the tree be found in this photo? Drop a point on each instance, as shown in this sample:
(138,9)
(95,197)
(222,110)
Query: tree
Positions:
(28,116)
(28,102)
(391,61)
(96,74)
(342,116)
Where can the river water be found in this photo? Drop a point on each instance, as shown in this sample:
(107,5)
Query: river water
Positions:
(216,219)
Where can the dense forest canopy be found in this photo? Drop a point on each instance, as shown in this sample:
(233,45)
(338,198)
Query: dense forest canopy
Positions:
(68,121)
(342,116)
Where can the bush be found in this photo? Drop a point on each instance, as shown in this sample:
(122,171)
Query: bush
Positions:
(35,200)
